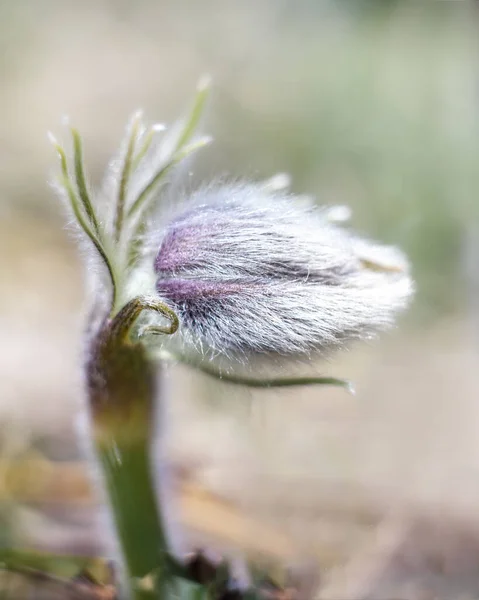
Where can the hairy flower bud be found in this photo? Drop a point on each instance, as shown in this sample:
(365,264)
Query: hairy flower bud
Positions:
(250,270)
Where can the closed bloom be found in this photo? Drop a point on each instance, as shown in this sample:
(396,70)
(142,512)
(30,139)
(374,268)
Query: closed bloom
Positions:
(254,271)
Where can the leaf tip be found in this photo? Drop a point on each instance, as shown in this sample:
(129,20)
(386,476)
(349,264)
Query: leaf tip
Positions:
(204,83)
(350,388)
(52,139)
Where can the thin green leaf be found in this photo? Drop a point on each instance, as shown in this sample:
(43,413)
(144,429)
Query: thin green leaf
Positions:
(81,181)
(276,382)
(186,151)
(193,119)
(147,141)
(155,181)
(180,150)
(125,176)
(65,181)
(135,245)
(261,383)
(75,204)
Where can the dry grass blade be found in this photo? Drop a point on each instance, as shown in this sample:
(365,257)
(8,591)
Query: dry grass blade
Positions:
(36,585)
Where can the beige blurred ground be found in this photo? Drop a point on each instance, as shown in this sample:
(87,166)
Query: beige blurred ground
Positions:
(378,112)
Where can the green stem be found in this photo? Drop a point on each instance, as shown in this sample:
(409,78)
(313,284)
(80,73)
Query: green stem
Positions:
(139,527)
(123,395)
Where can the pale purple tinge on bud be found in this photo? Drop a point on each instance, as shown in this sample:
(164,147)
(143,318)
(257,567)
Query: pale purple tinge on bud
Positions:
(250,270)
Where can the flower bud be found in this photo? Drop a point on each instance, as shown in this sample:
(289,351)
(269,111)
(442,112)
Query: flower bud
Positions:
(250,270)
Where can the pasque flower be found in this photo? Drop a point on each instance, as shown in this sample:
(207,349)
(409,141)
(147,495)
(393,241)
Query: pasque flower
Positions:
(249,270)
(240,270)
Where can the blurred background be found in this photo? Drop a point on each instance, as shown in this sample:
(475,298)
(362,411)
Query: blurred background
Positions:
(372,104)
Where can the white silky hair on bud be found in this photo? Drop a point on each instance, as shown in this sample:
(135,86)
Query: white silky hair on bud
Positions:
(250,270)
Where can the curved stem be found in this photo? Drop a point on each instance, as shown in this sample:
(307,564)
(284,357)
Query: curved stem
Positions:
(124,321)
